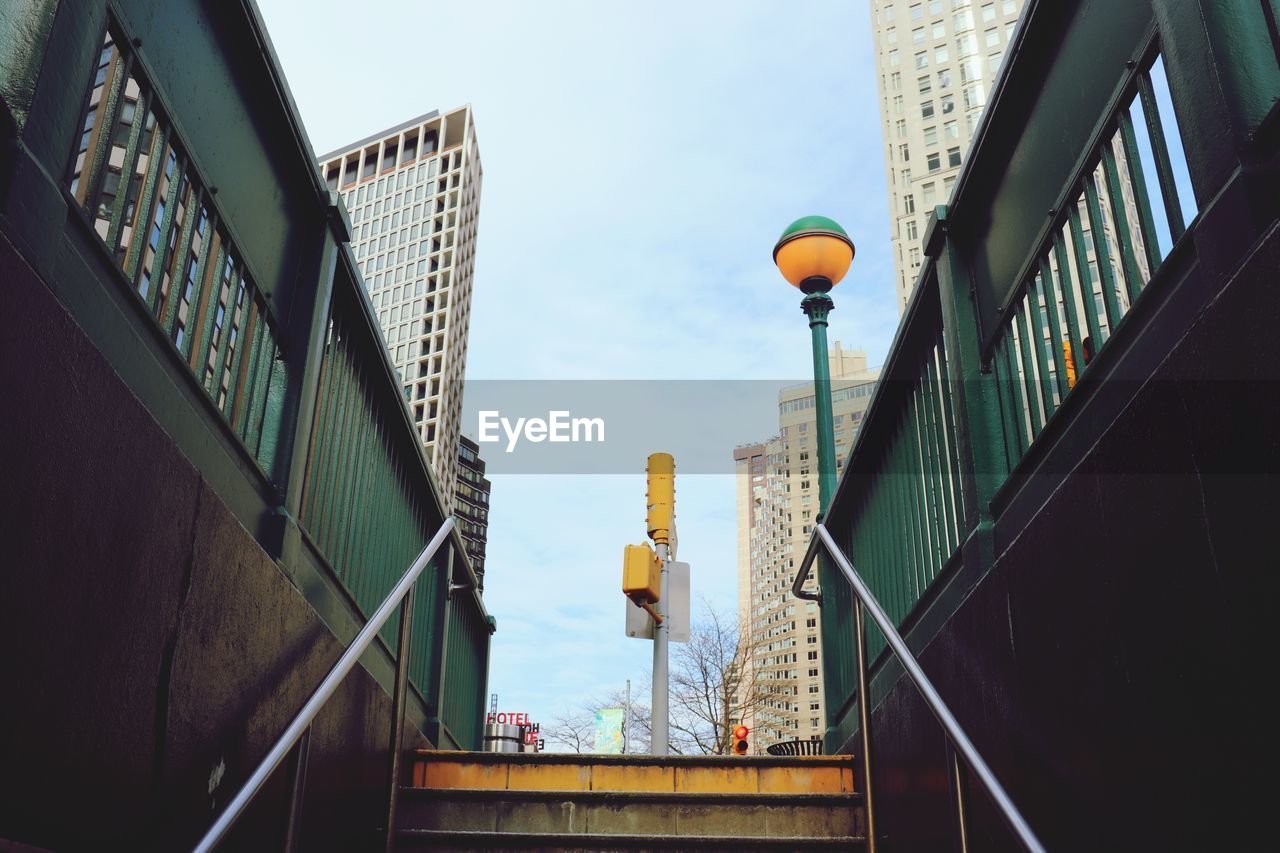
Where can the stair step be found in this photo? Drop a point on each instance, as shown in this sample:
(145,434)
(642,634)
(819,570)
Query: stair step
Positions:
(644,813)
(631,843)
(692,774)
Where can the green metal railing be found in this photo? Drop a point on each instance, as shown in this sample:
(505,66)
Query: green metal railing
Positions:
(1106,118)
(1125,214)
(464,683)
(366,501)
(362,503)
(903,517)
(145,200)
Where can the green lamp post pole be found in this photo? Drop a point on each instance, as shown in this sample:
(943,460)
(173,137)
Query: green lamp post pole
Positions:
(814,253)
(816,307)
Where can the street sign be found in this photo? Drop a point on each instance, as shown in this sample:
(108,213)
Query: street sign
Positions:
(640,623)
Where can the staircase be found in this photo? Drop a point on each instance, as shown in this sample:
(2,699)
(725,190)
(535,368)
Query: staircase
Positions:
(526,802)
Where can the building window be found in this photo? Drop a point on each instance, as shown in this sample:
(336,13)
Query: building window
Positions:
(911,232)
(948,103)
(891,35)
(903,153)
(895,80)
(933,161)
(989,12)
(926,109)
(939,30)
(953,156)
(908,204)
(926,84)
(894,58)
(944,78)
(942,54)
(975,96)
(930,195)
(964,20)
(992,37)
(931,135)
(922,59)
(917,35)
(917,12)
(951,129)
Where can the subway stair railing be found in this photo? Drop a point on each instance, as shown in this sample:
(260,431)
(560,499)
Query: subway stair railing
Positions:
(193,242)
(1123,170)
(957,740)
(297,733)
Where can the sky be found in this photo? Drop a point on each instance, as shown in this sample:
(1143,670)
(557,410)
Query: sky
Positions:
(640,161)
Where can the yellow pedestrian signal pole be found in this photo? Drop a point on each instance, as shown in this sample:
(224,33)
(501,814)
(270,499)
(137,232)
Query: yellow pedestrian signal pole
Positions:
(659,521)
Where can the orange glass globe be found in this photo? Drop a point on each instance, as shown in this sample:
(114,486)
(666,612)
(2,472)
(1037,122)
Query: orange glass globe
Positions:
(814,247)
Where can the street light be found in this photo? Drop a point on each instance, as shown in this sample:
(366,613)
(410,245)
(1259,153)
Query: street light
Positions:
(814,253)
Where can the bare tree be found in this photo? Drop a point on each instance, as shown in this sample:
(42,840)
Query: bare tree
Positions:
(713,685)
(574,730)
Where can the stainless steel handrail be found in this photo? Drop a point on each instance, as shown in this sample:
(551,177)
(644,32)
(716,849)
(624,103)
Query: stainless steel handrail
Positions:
(976,763)
(322,694)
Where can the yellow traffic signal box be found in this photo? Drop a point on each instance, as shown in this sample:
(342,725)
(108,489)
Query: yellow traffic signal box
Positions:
(662,496)
(641,574)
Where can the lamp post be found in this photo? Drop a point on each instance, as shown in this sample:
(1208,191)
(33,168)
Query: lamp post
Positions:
(814,253)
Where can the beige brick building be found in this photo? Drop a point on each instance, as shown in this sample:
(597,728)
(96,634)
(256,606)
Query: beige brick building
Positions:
(777,502)
(936,61)
(413,192)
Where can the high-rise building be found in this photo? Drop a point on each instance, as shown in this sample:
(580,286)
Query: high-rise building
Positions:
(471,504)
(413,192)
(936,61)
(777,496)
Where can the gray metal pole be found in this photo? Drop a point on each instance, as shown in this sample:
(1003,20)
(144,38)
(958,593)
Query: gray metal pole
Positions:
(661,682)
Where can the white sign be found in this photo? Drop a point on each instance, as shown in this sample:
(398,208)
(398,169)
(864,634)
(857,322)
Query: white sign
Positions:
(640,623)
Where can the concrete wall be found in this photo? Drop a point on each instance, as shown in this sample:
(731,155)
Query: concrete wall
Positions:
(1112,664)
(151,651)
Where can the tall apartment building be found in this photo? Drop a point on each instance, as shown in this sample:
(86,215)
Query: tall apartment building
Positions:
(413,192)
(471,504)
(777,501)
(936,62)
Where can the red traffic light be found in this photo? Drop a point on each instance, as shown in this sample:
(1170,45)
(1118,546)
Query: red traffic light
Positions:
(740,745)
(741,732)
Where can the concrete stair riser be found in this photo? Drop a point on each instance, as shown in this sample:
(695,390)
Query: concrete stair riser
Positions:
(769,816)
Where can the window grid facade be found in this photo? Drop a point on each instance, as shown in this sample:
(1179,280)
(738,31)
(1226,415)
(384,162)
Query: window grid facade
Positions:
(413,192)
(957,47)
(777,497)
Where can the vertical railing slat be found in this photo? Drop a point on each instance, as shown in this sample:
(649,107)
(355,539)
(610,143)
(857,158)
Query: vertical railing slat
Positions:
(1160,151)
(1115,193)
(1088,300)
(1102,254)
(1027,384)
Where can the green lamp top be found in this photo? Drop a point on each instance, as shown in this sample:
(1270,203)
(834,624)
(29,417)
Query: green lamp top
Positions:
(807,225)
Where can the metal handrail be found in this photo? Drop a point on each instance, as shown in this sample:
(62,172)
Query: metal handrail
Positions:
(866,599)
(302,722)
